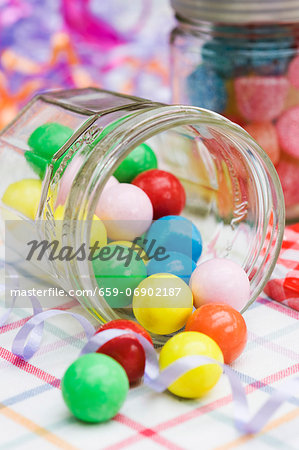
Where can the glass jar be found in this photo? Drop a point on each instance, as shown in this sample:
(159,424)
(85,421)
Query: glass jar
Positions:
(233,192)
(241,59)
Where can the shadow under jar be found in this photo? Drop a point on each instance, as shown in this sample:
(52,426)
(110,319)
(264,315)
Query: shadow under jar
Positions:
(233,195)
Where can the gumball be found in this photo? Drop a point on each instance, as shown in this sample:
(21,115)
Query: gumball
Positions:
(67,179)
(98,233)
(24,196)
(174,234)
(164,190)
(220,280)
(111,182)
(223,324)
(266,136)
(126,211)
(176,263)
(118,271)
(37,163)
(162,303)
(206,89)
(288,172)
(261,98)
(139,250)
(287,128)
(293,72)
(126,350)
(94,387)
(196,382)
(47,139)
(140,159)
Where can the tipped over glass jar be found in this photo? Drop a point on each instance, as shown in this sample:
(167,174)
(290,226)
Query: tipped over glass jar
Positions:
(80,166)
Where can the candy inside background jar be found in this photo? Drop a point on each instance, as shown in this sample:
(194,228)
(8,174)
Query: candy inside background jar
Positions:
(248,73)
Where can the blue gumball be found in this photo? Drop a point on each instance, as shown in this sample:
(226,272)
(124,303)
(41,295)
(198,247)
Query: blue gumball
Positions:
(176,263)
(174,234)
(206,89)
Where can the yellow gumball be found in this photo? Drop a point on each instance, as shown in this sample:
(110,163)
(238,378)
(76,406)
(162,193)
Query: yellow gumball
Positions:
(98,231)
(24,196)
(59,213)
(196,382)
(136,248)
(162,303)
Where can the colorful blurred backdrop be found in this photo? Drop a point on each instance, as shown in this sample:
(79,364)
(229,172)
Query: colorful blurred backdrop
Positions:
(113,44)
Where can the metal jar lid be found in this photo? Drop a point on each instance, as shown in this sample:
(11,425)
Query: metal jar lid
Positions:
(237,11)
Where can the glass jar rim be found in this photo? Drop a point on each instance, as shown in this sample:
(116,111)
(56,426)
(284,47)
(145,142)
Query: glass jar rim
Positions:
(237,11)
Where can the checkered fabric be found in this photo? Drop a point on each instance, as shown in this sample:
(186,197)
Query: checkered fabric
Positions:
(33,415)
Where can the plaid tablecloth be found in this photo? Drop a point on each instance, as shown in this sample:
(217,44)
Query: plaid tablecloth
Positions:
(32,412)
(33,415)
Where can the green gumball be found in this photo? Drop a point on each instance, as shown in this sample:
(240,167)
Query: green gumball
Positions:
(140,159)
(94,387)
(44,142)
(38,164)
(118,271)
(47,139)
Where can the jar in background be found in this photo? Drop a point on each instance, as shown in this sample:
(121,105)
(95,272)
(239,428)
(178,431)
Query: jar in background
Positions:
(233,193)
(241,59)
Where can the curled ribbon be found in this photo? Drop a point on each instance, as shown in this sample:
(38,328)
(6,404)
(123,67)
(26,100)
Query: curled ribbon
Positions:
(25,346)
(27,341)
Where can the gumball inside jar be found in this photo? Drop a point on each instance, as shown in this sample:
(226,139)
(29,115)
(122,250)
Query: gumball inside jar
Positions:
(141,197)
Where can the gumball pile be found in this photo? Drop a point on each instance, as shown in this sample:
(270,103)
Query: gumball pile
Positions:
(95,386)
(253,80)
(152,271)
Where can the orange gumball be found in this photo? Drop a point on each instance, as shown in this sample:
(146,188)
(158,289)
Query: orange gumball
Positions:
(222,323)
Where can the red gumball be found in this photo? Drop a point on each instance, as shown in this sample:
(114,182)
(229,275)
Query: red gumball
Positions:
(164,190)
(222,323)
(126,350)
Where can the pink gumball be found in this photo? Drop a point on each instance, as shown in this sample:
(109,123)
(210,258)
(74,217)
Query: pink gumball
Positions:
(67,179)
(220,280)
(261,98)
(112,181)
(126,211)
